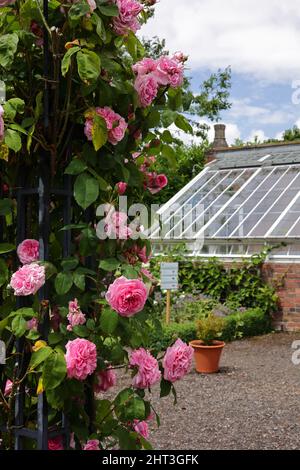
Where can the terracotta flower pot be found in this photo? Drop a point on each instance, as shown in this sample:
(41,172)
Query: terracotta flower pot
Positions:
(207,358)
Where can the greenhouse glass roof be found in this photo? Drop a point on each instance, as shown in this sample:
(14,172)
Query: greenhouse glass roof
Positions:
(248,196)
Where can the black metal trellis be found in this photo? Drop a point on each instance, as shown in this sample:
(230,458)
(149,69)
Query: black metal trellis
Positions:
(42,193)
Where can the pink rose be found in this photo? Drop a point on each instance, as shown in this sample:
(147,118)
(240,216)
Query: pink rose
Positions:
(127,19)
(92,5)
(116,124)
(177,361)
(169,72)
(28,251)
(56,443)
(148,371)
(32,324)
(127,296)
(8,388)
(92,444)
(75,315)
(81,358)
(155,183)
(144,66)
(180,57)
(28,279)
(116,225)
(141,427)
(5,3)
(121,187)
(2,129)
(105,379)
(146,87)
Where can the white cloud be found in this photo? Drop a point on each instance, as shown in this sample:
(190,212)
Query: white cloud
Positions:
(258,135)
(242,108)
(255,37)
(232,133)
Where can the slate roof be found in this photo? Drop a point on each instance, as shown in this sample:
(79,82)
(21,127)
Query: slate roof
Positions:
(282,154)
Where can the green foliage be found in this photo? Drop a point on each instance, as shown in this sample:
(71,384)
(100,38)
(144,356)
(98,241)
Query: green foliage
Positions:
(252,322)
(209,329)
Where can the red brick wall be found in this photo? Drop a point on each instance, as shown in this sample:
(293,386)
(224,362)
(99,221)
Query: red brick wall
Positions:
(286,279)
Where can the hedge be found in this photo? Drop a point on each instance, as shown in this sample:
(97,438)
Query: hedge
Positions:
(252,322)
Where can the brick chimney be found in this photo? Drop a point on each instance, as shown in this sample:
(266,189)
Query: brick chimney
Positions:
(220,139)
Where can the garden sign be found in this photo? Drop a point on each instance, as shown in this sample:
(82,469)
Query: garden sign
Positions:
(168,282)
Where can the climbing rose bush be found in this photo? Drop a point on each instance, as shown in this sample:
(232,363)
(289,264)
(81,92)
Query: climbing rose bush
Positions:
(81,303)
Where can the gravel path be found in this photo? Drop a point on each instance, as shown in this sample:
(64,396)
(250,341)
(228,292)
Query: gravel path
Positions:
(252,403)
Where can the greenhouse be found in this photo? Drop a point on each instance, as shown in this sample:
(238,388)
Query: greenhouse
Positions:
(243,200)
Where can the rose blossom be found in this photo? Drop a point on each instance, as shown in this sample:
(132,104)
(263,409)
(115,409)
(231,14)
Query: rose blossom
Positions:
(92,444)
(141,427)
(121,187)
(148,371)
(116,124)
(1,123)
(116,225)
(75,315)
(127,19)
(81,358)
(155,183)
(92,5)
(146,87)
(32,324)
(28,251)
(169,72)
(8,388)
(28,279)
(127,296)
(144,66)
(55,443)
(177,361)
(105,379)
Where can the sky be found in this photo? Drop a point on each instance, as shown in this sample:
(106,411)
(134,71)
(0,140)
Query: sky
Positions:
(259,39)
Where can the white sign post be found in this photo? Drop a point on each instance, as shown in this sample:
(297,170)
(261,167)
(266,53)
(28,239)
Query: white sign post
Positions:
(168,282)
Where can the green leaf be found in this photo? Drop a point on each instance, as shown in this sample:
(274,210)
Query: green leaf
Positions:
(73,227)
(109,10)
(17,127)
(78,10)
(54,370)
(100,28)
(165,388)
(8,48)
(86,190)
(66,61)
(182,123)
(12,107)
(39,356)
(81,331)
(19,326)
(108,321)
(4,273)
(99,132)
(69,263)
(75,167)
(55,338)
(109,264)
(129,407)
(5,206)
(13,140)
(89,65)
(79,280)
(6,248)
(63,282)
